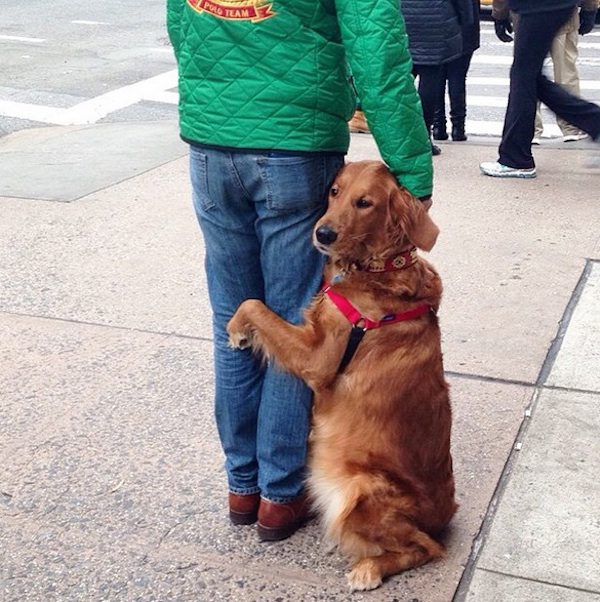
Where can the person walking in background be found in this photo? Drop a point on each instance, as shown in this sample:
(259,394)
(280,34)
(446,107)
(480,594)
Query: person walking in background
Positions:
(539,22)
(267,126)
(564,54)
(455,73)
(435,38)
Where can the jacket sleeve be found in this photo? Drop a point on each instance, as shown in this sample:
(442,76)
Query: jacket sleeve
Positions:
(174,12)
(376,46)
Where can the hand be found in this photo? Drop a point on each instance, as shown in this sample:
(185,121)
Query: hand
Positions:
(426,201)
(587,19)
(503,28)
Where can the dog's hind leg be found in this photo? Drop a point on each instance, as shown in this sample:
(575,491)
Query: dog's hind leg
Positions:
(368,572)
(383,520)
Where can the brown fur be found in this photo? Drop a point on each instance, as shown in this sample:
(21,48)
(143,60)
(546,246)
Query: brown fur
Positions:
(380,464)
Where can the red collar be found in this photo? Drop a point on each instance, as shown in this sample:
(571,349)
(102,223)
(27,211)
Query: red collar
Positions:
(392,264)
(357,319)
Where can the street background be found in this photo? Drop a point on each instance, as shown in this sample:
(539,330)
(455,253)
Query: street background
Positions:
(111,478)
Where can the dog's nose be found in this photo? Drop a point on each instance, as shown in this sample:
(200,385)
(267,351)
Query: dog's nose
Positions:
(325,235)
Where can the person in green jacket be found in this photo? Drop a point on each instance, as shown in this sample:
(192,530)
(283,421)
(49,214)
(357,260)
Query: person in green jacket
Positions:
(264,103)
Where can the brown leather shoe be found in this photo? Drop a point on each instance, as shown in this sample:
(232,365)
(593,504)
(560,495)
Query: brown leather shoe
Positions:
(277,521)
(243,509)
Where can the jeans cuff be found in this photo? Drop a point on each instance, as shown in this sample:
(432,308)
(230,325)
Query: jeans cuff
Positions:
(247,491)
(281,500)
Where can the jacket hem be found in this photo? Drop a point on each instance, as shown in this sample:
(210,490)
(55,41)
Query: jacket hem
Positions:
(258,150)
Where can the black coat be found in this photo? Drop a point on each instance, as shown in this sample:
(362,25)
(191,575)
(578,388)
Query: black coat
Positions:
(470,31)
(434,29)
(539,6)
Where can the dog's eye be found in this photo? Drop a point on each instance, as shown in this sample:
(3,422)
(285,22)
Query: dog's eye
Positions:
(363,204)
(334,191)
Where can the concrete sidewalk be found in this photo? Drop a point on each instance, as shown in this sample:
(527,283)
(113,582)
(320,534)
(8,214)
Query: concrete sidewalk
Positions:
(111,478)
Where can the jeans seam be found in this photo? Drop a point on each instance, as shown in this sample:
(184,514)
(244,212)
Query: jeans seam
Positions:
(234,172)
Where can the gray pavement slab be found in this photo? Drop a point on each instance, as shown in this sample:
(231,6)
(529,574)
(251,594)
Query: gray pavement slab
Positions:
(494,587)
(128,256)
(84,49)
(547,527)
(510,254)
(74,161)
(107,443)
(577,365)
(513,258)
(112,484)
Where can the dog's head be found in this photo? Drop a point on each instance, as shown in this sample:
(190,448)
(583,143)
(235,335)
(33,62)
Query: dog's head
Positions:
(369,214)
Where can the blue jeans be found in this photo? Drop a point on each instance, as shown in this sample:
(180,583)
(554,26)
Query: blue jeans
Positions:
(257,212)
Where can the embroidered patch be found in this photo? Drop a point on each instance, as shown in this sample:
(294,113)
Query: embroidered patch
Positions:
(399,262)
(235,10)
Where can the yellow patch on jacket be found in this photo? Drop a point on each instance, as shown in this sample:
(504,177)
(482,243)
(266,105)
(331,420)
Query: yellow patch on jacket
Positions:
(235,10)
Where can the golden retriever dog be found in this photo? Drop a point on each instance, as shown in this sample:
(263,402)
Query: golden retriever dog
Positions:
(380,469)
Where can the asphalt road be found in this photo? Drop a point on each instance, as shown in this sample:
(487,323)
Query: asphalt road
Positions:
(61,53)
(66,63)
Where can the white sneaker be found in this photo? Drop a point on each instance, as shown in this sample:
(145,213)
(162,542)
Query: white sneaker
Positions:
(536,141)
(497,170)
(575,137)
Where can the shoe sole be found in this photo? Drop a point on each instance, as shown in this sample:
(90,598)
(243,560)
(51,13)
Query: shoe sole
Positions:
(270,534)
(524,176)
(243,518)
(277,534)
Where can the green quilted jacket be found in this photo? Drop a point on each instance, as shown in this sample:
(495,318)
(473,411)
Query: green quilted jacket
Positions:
(273,74)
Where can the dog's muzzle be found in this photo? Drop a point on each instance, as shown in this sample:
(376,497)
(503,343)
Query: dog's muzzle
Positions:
(325,235)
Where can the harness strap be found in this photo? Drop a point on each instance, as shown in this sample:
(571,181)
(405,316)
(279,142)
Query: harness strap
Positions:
(356,336)
(355,318)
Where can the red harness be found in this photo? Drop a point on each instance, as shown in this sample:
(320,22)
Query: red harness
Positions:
(355,317)
(360,323)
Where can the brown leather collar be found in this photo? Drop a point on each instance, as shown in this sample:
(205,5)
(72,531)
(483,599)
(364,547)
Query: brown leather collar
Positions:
(394,263)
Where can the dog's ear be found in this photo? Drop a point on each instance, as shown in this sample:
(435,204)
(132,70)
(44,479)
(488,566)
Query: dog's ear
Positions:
(412,217)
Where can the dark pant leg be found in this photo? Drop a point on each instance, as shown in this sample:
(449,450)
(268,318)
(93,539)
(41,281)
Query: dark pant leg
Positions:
(532,43)
(439,118)
(457,87)
(429,77)
(581,113)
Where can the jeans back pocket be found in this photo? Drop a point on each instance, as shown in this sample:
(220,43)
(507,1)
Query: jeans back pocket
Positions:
(297,182)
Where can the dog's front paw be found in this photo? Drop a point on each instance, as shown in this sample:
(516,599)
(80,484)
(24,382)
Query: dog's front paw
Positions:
(240,340)
(240,334)
(239,327)
(364,576)
(239,331)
